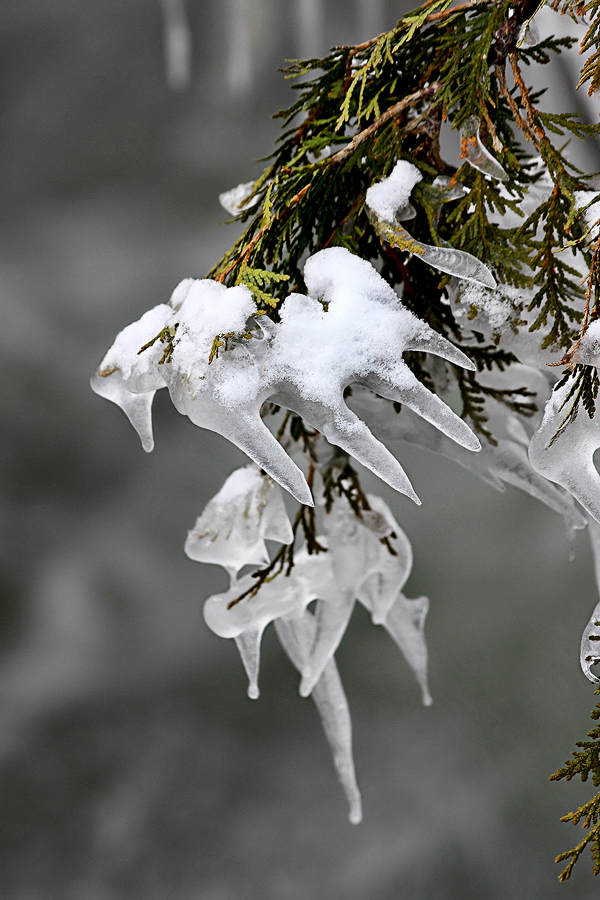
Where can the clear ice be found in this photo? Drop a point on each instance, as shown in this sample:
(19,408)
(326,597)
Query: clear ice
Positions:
(566,456)
(590,639)
(388,205)
(355,565)
(475,153)
(234,525)
(296,637)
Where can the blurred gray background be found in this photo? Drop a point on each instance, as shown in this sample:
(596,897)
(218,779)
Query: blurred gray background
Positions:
(132,764)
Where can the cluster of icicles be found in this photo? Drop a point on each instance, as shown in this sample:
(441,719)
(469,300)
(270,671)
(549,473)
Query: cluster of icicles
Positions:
(335,358)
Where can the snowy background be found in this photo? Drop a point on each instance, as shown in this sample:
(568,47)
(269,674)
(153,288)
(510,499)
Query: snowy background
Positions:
(132,764)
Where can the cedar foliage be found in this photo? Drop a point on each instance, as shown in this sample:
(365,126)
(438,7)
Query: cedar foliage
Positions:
(360,109)
(585,763)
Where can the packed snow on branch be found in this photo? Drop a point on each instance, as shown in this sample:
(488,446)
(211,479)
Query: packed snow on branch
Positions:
(303,363)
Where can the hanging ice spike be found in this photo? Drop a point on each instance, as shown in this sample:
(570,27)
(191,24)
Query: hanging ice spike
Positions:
(365,569)
(303,363)
(388,204)
(296,637)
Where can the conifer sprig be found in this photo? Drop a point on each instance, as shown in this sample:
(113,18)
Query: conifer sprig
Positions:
(585,763)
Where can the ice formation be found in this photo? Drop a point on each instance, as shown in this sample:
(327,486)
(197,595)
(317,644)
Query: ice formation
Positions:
(505,463)
(351,328)
(388,205)
(232,530)
(566,455)
(355,565)
(475,153)
(590,639)
(334,357)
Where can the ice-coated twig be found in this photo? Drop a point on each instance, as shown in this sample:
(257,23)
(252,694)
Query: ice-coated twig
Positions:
(310,579)
(388,204)
(296,637)
(475,153)
(234,525)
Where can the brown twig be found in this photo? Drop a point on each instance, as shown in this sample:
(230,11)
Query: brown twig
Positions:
(525,98)
(385,117)
(520,121)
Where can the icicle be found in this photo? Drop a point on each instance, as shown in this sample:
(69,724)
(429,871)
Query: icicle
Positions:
(177,43)
(129,379)
(296,637)
(387,203)
(476,154)
(405,622)
(331,621)
(231,531)
(248,644)
(137,407)
(356,554)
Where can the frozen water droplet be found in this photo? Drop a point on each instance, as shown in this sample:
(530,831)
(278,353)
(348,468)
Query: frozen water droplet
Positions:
(248,644)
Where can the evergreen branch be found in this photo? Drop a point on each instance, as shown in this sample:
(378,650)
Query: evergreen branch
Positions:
(393,112)
(585,762)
